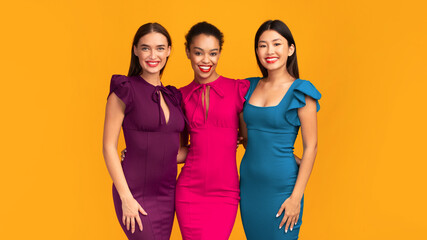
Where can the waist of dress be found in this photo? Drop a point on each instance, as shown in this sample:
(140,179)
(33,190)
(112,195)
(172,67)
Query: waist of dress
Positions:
(161,129)
(274,131)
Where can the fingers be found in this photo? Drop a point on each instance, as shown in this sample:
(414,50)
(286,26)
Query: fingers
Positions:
(280,210)
(143,212)
(123,154)
(124,220)
(284,220)
(290,219)
(132,224)
(293,223)
(138,220)
(127,223)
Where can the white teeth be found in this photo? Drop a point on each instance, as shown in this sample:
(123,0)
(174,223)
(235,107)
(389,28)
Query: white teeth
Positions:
(270,59)
(204,68)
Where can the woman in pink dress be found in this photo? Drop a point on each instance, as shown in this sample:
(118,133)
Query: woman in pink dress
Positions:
(207,191)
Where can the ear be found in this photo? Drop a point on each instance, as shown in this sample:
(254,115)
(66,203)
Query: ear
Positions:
(291,50)
(188,53)
(169,50)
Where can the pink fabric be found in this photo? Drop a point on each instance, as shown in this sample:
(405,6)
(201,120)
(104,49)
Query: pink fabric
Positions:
(207,191)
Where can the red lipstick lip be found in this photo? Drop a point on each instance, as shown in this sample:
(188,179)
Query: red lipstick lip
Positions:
(205,70)
(271,59)
(152,63)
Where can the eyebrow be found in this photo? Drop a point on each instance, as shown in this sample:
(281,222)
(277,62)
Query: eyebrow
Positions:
(145,45)
(215,49)
(277,39)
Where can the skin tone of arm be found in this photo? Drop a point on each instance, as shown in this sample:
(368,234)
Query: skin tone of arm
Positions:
(183,150)
(292,205)
(243,131)
(114,116)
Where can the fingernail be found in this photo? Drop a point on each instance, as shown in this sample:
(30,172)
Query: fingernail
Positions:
(291,229)
(277,215)
(280,227)
(286,231)
(295,224)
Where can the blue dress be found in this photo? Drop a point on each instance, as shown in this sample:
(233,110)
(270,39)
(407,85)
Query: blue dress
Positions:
(268,171)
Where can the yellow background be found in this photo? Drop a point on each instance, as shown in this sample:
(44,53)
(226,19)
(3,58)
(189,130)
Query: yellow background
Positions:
(366,57)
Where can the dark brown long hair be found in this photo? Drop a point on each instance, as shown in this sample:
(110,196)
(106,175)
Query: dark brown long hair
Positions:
(281,28)
(135,68)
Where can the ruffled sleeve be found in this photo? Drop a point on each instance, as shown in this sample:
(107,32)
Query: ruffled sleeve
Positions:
(121,86)
(305,88)
(242,89)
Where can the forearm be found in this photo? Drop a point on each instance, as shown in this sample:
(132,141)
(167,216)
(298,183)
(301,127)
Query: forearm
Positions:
(297,160)
(115,169)
(182,155)
(304,172)
(243,131)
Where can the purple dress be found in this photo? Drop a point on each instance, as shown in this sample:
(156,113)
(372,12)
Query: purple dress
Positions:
(152,145)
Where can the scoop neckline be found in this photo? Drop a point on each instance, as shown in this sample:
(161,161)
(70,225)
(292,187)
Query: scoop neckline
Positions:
(281,100)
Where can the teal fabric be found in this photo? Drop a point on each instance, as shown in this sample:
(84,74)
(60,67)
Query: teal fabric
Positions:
(268,171)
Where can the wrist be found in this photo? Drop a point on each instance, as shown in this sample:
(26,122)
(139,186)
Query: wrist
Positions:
(126,196)
(296,196)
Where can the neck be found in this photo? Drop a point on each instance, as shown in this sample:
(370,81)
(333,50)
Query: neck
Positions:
(211,78)
(279,75)
(152,78)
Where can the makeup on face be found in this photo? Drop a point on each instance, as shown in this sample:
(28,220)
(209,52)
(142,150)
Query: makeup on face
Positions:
(152,51)
(204,55)
(272,50)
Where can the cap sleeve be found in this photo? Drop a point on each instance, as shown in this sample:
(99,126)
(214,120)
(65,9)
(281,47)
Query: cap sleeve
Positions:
(305,88)
(121,86)
(242,89)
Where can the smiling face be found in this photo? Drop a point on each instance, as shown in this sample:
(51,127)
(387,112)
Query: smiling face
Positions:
(152,51)
(273,50)
(204,54)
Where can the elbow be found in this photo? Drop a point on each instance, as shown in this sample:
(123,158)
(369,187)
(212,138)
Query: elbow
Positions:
(107,149)
(311,148)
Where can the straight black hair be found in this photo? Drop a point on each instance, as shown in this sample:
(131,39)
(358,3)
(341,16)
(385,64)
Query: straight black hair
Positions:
(135,68)
(281,28)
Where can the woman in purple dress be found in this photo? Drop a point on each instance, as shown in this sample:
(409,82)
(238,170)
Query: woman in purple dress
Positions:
(144,182)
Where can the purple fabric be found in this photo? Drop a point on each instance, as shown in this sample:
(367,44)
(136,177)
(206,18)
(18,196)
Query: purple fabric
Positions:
(152,145)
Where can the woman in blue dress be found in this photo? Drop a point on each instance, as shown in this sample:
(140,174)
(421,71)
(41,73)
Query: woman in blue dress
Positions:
(277,105)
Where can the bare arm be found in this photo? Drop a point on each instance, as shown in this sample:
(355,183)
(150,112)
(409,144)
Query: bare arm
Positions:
(243,131)
(114,115)
(183,150)
(292,205)
(308,118)
(297,159)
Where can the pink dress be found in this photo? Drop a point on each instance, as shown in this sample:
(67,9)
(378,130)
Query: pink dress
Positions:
(207,191)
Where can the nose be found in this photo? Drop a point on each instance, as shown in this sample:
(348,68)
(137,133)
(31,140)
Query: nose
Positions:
(153,54)
(270,49)
(205,58)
